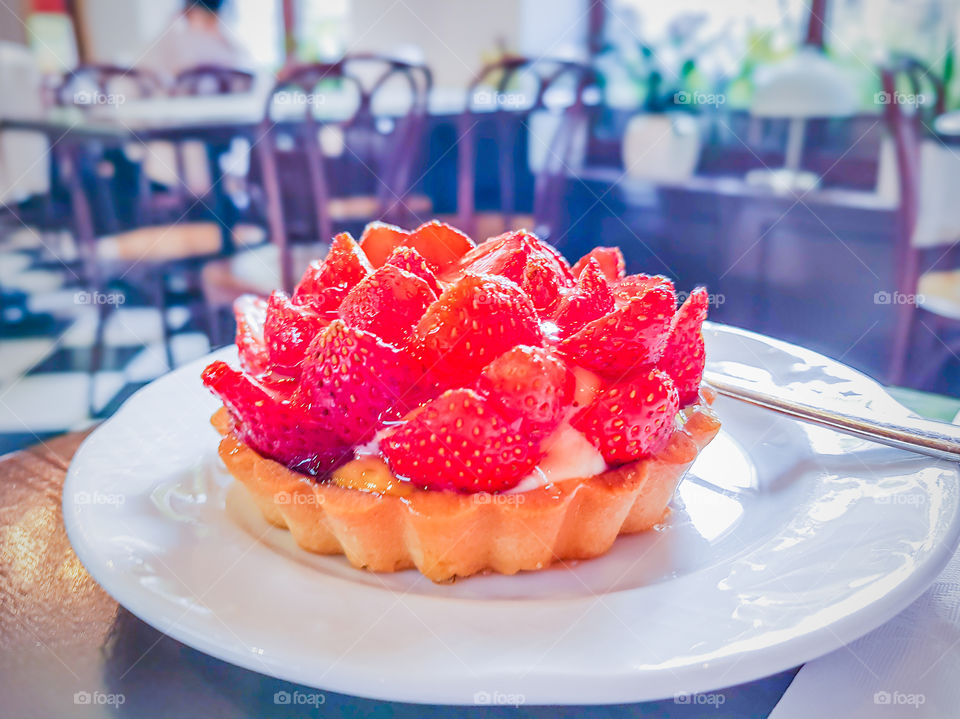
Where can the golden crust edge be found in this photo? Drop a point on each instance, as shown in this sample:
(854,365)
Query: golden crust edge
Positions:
(446,535)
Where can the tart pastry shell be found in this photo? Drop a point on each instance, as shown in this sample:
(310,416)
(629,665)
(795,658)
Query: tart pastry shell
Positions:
(447,535)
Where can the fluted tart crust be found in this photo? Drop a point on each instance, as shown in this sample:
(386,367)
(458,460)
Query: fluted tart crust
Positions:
(448,535)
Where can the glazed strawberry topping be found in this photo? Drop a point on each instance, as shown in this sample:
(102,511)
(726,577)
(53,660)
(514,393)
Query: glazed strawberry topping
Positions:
(530,384)
(388,303)
(631,419)
(684,357)
(610,260)
(324,284)
(475,320)
(589,300)
(379,239)
(458,362)
(625,339)
(288,329)
(460,441)
(251,313)
(407,258)
(275,425)
(354,381)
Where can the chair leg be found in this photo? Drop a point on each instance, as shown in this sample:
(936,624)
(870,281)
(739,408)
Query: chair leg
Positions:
(902,331)
(161,303)
(96,356)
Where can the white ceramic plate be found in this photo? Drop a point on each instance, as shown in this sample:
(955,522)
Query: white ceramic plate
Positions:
(787,541)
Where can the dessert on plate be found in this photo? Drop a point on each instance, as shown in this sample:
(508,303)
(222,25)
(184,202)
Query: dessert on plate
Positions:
(421,401)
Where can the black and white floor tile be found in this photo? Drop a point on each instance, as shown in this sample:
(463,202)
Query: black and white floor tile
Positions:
(46,336)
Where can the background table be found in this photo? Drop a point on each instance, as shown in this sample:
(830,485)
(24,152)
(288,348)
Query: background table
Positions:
(67,648)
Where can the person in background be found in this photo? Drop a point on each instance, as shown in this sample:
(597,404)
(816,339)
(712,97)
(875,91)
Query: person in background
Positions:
(196,36)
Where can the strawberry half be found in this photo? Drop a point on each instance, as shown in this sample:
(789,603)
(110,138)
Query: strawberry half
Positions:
(251,313)
(632,419)
(589,300)
(685,357)
(355,381)
(407,258)
(439,244)
(537,268)
(626,338)
(476,319)
(275,426)
(324,284)
(379,239)
(636,285)
(460,441)
(529,384)
(610,260)
(288,329)
(387,303)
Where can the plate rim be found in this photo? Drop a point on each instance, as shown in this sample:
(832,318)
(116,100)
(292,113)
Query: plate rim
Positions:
(792,652)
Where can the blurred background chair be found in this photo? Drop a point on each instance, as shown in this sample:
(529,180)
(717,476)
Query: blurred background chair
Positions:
(543,102)
(926,301)
(336,148)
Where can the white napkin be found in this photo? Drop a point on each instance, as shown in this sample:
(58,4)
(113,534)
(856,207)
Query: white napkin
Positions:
(909,667)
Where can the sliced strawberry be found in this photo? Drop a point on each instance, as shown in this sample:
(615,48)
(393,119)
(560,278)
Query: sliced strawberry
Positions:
(529,384)
(684,357)
(610,260)
(537,268)
(355,381)
(288,329)
(625,339)
(276,427)
(379,239)
(636,285)
(505,255)
(407,258)
(459,441)
(476,319)
(251,313)
(632,419)
(440,244)
(387,303)
(324,284)
(589,300)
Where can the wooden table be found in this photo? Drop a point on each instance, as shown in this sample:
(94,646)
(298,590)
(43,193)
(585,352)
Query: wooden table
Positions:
(64,641)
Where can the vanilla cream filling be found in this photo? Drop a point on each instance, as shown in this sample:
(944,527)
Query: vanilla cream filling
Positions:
(568,454)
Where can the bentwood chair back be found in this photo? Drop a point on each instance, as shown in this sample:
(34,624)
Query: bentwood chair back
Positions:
(331,127)
(514,92)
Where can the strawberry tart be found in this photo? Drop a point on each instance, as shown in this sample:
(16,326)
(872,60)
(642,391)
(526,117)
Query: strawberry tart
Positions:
(421,401)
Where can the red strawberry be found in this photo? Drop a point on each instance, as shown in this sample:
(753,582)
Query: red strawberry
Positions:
(505,255)
(387,303)
(251,313)
(632,419)
(407,258)
(684,357)
(541,282)
(459,441)
(288,329)
(590,299)
(440,244)
(610,260)
(529,384)
(355,381)
(635,285)
(627,338)
(276,427)
(324,284)
(537,268)
(476,319)
(380,239)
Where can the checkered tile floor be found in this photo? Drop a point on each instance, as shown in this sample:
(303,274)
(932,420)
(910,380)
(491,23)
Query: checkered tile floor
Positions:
(46,335)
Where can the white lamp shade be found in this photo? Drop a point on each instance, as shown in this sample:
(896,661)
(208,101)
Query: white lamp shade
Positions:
(805,86)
